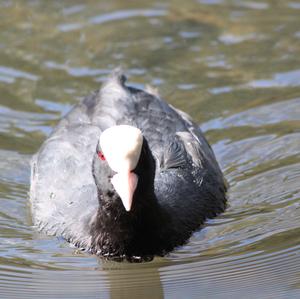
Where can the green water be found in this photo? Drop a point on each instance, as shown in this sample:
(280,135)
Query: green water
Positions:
(233,65)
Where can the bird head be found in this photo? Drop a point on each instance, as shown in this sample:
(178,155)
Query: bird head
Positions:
(121,148)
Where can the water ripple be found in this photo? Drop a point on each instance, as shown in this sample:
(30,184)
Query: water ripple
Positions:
(9,74)
(126,14)
(232,63)
(262,115)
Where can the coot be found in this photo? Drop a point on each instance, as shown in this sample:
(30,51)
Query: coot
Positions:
(125,175)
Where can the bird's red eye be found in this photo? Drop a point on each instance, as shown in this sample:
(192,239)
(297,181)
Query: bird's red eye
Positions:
(101,156)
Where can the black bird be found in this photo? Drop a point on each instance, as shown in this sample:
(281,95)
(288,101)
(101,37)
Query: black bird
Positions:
(125,175)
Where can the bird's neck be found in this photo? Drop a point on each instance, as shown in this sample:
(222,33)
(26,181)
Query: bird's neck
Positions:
(116,232)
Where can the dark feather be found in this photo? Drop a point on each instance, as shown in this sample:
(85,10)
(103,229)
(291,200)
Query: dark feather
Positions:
(180,182)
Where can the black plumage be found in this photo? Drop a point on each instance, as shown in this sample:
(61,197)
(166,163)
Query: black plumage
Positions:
(180,183)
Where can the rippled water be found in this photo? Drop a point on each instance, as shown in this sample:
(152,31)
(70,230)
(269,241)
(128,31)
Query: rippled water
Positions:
(233,65)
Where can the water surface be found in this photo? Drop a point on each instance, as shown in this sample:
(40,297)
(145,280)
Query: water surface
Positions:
(233,65)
